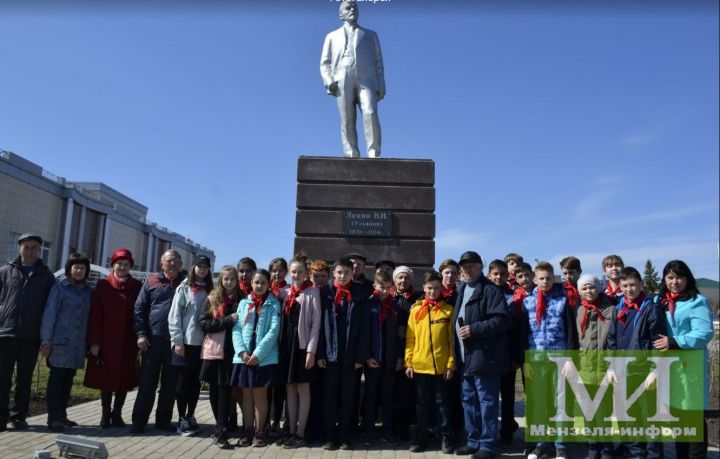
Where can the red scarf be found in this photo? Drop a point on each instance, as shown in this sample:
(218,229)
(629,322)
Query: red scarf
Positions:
(540,305)
(386,306)
(220,313)
(621,317)
(669,302)
(512,281)
(572,294)
(609,291)
(340,294)
(425,307)
(275,287)
(407,294)
(590,306)
(198,287)
(294,292)
(517,300)
(245,287)
(446,293)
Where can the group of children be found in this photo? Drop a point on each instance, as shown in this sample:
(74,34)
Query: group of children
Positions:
(444,359)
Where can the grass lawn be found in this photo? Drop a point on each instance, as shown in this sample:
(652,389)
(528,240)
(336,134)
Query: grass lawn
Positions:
(79,394)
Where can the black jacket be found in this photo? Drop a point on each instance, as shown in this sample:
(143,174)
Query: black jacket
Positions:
(486,312)
(356,349)
(22,299)
(209,324)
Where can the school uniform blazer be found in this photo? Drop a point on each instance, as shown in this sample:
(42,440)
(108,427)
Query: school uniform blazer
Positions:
(392,342)
(268,330)
(357,325)
(310,318)
(649,323)
(487,350)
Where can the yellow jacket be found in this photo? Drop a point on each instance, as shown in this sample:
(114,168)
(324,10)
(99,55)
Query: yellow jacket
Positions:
(430,351)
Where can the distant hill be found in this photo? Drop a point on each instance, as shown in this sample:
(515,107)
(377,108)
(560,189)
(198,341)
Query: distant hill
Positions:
(707,283)
(711,290)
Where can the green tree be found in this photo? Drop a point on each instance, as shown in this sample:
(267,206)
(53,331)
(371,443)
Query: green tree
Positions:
(651,280)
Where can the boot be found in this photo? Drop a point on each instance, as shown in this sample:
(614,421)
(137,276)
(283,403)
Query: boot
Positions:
(105,400)
(117,420)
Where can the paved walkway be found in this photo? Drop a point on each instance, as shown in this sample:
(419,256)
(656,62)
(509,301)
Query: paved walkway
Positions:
(156,444)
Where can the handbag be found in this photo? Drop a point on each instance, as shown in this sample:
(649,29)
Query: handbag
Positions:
(212,346)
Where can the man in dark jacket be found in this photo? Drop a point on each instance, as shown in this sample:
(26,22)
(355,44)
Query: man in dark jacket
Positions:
(151,326)
(24,287)
(481,350)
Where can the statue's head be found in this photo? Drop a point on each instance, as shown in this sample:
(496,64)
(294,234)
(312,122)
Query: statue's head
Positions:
(349,11)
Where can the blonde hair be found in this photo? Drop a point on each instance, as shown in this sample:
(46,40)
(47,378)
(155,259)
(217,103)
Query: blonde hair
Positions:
(216,298)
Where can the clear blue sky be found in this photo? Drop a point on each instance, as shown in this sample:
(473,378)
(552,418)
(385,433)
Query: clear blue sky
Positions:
(557,128)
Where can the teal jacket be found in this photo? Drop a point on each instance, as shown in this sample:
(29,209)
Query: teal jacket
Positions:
(691,327)
(268,330)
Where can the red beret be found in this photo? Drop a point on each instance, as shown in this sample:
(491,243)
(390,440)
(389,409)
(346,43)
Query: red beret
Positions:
(121,253)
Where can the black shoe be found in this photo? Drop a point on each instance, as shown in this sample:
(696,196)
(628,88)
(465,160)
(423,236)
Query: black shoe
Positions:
(417,447)
(20,424)
(561,453)
(389,440)
(539,453)
(465,450)
(68,423)
(446,446)
(116,419)
(606,455)
(330,446)
(294,442)
(136,429)
(166,427)
(592,456)
(482,454)
(105,420)
(346,445)
(3,427)
(220,441)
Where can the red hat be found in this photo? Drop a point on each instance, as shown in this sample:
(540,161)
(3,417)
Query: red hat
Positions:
(121,253)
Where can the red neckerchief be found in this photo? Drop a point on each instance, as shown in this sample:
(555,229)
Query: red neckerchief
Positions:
(294,292)
(590,306)
(257,302)
(517,300)
(512,281)
(424,309)
(540,305)
(446,293)
(198,287)
(621,317)
(407,294)
(669,302)
(572,294)
(220,313)
(340,294)
(275,287)
(245,287)
(609,291)
(386,306)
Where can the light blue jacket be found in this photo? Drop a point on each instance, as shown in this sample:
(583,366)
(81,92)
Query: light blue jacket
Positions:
(692,328)
(64,324)
(268,330)
(186,307)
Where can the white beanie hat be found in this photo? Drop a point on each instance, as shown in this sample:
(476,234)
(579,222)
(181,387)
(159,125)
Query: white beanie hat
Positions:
(589,279)
(403,269)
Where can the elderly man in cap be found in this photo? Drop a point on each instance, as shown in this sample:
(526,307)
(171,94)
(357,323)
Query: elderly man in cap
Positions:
(24,287)
(482,355)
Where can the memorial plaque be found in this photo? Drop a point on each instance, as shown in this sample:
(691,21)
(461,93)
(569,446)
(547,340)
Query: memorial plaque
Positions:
(367,223)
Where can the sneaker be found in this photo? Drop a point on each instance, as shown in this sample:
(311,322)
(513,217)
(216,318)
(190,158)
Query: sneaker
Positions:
(346,445)
(417,447)
(21,424)
(260,440)
(446,446)
(482,454)
(220,441)
(330,446)
(68,423)
(192,422)
(560,453)
(538,453)
(389,440)
(246,439)
(282,438)
(183,427)
(465,450)
(294,442)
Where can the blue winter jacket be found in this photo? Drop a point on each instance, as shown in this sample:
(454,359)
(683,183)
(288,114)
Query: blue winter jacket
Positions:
(152,306)
(64,324)
(391,344)
(556,330)
(268,330)
(647,325)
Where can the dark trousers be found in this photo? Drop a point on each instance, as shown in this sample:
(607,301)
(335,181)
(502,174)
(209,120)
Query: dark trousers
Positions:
(508,425)
(221,401)
(59,385)
(24,353)
(694,450)
(339,384)
(379,382)
(276,402)
(316,418)
(454,392)
(187,389)
(155,365)
(404,405)
(431,391)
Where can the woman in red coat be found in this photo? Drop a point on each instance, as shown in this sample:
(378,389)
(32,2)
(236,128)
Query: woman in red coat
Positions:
(112,365)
